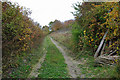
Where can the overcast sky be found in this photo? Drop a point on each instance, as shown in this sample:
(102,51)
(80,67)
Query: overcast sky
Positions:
(44,11)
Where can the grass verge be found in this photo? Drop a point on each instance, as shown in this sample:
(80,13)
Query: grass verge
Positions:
(87,66)
(54,65)
(91,71)
(64,38)
(24,63)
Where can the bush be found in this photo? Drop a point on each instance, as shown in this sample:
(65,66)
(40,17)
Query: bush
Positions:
(94,19)
(19,33)
(118,70)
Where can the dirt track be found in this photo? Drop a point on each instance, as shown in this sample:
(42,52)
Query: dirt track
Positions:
(74,71)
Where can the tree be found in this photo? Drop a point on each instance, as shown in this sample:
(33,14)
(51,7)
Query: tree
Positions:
(50,25)
(45,29)
(68,22)
(56,25)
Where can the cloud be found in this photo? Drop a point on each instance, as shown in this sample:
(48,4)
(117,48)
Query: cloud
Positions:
(44,11)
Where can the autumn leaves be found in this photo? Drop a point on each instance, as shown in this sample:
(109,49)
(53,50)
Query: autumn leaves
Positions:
(19,30)
(95,20)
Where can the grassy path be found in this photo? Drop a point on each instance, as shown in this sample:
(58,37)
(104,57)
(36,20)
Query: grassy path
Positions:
(54,65)
(86,64)
(72,65)
(34,72)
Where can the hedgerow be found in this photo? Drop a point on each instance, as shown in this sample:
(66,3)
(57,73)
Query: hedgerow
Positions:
(93,20)
(19,33)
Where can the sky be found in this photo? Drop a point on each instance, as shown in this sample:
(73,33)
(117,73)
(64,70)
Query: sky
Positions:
(44,11)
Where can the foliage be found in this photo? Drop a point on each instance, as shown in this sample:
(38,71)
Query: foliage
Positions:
(77,33)
(24,64)
(56,25)
(68,23)
(117,70)
(64,38)
(45,30)
(94,19)
(89,69)
(19,33)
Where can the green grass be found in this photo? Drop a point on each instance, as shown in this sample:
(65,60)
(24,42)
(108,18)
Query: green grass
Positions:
(63,38)
(88,65)
(54,65)
(25,62)
(88,68)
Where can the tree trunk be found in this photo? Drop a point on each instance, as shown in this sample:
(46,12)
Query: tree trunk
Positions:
(109,60)
(98,52)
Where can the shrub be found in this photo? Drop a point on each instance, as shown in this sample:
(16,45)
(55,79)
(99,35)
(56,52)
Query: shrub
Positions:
(19,33)
(94,19)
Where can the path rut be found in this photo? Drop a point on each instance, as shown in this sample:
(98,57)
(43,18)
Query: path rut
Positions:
(34,72)
(74,71)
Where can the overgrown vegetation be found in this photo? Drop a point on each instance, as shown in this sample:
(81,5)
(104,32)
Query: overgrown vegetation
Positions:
(54,65)
(92,21)
(58,25)
(63,38)
(19,35)
(22,38)
(88,68)
(24,63)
